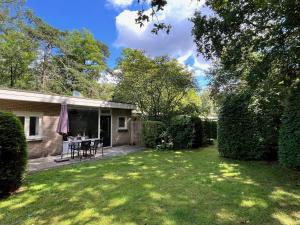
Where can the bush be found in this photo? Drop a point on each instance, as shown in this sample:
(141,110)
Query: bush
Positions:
(186,132)
(210,129)
(13,153)
(151,133)
(238,134)
(289,135)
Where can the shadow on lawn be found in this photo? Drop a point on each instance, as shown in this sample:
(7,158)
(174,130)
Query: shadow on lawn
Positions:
(191,187)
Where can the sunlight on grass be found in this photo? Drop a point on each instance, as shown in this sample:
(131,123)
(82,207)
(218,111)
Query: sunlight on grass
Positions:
(117,202)
(225,215)
(279,195)
(284,218)
(254,202)
(112,176)
(152,187)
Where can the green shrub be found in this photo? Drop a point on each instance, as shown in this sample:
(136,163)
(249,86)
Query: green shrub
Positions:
(238,134)
(13,153)
(151,133)
(198,132)
(210,129)
(289,137)
(186,132)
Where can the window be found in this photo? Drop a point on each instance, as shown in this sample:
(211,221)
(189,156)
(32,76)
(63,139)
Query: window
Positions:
(32,124)
(122,123)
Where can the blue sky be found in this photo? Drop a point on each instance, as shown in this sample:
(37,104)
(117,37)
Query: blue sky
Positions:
(112,22)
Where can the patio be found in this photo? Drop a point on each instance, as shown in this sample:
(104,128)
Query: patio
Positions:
(48,162)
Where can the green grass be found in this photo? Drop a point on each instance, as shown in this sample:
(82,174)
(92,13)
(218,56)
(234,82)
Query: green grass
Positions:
(182,187)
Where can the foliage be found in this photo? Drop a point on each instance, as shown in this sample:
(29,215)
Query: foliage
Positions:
(238,133)
(13,153)
(37,56)
(166,141)
(216,191)
(152,131)
(156,85)
(16,54)
(289,141)
(186,132)
(210,128)
(255,47)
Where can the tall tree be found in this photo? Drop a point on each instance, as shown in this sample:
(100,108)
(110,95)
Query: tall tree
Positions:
(156,85)
(49,40)
(81,60)
(17,52)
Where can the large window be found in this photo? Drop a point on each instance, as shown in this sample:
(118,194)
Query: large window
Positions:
(32,124)
(83,122)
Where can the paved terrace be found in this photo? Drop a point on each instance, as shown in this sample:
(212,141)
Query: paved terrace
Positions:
(48,162)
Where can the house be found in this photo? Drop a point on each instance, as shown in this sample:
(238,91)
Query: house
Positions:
(39,114)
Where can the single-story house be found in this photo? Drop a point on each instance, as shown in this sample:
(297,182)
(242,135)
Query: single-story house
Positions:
(39,114)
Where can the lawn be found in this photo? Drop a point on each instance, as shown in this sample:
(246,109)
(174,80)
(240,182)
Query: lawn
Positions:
(182,187)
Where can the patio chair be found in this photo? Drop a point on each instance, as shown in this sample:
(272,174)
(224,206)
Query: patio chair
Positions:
(74,146)
(98,143)
(85,147)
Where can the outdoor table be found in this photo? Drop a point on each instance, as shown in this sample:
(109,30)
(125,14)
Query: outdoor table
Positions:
(79,143)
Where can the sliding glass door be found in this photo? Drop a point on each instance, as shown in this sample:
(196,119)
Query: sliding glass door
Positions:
(83,122)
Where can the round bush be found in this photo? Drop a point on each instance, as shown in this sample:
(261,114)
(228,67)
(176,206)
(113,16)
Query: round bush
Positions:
(238,135)
(13,153)
(151,133)
(289,135)
(186,131)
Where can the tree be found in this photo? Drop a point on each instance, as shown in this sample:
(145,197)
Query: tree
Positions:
(49,40)
(156,85)
(81,61)
(17,52)
(37,56)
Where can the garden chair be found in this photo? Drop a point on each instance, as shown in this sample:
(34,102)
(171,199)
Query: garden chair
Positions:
(85,147)
(98,143)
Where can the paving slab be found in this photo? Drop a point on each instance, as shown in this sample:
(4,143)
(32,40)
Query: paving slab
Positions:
(49,162)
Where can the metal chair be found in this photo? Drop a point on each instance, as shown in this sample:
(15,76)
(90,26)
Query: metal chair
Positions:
(74,146)
(85,147)
(97,143)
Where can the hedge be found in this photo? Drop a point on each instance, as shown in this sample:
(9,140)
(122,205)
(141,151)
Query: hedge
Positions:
(289,135)
(151,132)
(210,129)
(238,134)
(13,153)
(186,131)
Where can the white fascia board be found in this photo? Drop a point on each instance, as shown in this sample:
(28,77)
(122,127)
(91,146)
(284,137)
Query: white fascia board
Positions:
(46,98)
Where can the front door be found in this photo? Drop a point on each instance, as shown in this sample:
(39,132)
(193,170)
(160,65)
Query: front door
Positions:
(105,131)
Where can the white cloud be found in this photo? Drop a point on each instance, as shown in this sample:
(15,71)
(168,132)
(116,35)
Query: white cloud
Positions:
(179,43)
(120,3)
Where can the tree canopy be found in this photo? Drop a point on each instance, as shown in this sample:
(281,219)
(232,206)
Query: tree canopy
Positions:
(158,86)
(37,56)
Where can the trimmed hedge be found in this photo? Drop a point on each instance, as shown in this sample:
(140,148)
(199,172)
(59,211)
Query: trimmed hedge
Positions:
(151,133)
(238,134)
(186,131)
(13,153)
(210,129)
(289,135)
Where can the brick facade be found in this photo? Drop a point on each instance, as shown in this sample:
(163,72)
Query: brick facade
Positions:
(51,143)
